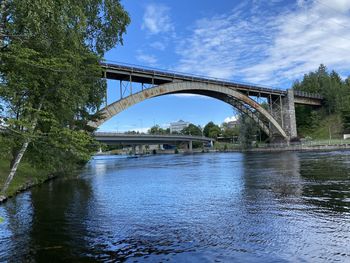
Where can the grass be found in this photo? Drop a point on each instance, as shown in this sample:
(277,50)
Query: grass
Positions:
(26,175)
(224,146)
(330,125)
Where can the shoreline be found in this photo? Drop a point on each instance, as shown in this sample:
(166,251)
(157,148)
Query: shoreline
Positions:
(295,148)
(25,187)
(302,148)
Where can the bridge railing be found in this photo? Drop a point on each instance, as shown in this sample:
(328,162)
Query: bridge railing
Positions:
(191,77)
(307,94)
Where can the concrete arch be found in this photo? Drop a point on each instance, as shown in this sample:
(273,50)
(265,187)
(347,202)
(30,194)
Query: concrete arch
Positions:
(211,90)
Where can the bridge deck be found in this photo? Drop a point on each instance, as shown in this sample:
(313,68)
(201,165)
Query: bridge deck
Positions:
(122,138)
(156,77)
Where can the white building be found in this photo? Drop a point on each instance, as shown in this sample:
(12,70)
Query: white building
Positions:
(178,126)
(232,124)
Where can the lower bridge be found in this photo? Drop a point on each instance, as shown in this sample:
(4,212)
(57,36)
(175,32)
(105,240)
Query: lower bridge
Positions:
(112,138)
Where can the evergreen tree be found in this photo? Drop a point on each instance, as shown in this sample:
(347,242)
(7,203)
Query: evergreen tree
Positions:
(336,94)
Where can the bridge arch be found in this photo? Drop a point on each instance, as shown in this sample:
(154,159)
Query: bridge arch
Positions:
(237,99)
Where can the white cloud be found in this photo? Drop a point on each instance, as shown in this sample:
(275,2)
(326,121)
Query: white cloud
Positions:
(259,46)
(126,128)
(337,5)
(157,19)
(158,45)
(146,59)
(141,130)
(231,118)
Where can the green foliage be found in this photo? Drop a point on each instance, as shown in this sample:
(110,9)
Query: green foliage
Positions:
(207,128)
(27,174)
(156,129)
(214,132)
(211,130)
(224,146)
(346,120)
(50,80)
(62,145)
(336,93)
(328,127)
(192,129)
(248,131)
(228,132)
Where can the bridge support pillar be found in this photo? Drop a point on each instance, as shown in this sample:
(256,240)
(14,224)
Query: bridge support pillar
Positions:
(283,110)
(141,149)
(289,120)
(190,146)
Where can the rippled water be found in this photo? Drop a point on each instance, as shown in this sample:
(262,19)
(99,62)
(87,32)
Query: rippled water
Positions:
(232,207)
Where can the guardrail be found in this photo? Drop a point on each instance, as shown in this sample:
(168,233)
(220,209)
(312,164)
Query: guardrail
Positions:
(307,94)
(201,78)
(192,77)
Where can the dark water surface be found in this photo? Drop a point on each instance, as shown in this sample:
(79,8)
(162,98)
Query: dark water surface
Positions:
(232,207)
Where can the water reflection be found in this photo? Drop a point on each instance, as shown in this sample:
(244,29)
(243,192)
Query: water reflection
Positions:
(274,173)
(60,212)
(196,208)
(327,179)
(17,224)
(50,226)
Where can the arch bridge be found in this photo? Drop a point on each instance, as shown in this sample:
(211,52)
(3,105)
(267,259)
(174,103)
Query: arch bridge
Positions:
(276,116)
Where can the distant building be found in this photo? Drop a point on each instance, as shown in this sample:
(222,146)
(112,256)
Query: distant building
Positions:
(178,126)
(232,124)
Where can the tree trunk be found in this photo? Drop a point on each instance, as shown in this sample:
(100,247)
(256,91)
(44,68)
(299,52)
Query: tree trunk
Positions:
(19,156)
(2,21)
(15,152)
(15,165)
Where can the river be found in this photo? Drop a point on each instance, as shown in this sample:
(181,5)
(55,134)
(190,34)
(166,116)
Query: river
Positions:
(220,207)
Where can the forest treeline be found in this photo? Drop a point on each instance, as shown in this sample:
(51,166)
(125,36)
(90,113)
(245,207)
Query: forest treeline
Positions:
(336,94)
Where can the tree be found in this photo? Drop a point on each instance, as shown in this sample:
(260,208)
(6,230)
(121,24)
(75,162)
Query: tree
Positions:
(192,129)
(211,126)
(214,132)
(335,91)
(228,132)
(248,130)
(156,129)
(50,75)
(346,121)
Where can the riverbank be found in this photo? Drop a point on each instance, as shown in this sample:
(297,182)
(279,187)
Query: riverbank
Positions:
(226,147)
(302,148)
(27,177)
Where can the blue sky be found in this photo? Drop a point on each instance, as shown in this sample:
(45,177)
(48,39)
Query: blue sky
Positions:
(266,42)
